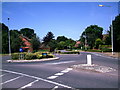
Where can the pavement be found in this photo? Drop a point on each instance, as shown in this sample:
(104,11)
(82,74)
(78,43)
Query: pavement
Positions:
(58,74)
(109,54)
(35,60)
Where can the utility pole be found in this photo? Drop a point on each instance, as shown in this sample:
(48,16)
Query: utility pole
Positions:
(9,38)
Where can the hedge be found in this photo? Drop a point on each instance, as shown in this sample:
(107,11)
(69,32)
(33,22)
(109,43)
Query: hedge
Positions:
(30,56)
(70,52)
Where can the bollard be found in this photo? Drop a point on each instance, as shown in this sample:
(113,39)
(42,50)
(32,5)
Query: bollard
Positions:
(89,60)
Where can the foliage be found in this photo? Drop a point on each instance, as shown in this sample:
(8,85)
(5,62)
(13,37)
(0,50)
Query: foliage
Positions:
(27,32)
(35,43)
(116,33)
(72,52)
(61,45)
(105,46)
(91,33)
(52,44)
(106,50)
(48,37)
(94,50)
(30,56)
(61,38)
(15,56)
(5,47)
(48,40)
(97,43)
(107,40)
(15,41)
(65,43)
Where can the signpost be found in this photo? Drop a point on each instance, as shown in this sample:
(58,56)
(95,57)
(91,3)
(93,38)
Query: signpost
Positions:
(21,56)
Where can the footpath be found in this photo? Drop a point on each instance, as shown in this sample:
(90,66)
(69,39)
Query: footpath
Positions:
(109,54)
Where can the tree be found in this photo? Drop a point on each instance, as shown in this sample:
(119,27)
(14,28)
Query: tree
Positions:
(91,33)
(61,38)
(64,42)
(35,41)
(48,38)
(5,46)
(15,40)
(107,40)
(116,33)
(27,32)
(70,43)
(61,45)
(97,43)
(52,44)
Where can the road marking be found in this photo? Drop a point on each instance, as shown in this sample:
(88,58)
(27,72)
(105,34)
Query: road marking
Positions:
(66,70)
(59,74)
(28,85)
(11,80)
(2,75)
(45,80)
(52,77)
(61,62)
(55,87)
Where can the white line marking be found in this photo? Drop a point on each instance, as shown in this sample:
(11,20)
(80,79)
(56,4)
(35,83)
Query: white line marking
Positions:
(66,70)
(2,75)
(65,86)
(11,80)
(55,87)
(28,85)
(59,74)
(52,77)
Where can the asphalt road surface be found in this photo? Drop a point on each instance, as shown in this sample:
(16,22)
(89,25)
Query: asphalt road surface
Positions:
(57,74)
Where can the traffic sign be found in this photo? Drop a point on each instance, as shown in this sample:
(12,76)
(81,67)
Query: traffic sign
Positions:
(21,50)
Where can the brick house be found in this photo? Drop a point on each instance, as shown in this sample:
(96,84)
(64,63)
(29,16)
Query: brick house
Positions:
(77,43)
(26,41)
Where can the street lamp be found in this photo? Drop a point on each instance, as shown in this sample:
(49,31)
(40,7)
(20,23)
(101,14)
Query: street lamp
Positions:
(85,41)
(111,26)
(9,38)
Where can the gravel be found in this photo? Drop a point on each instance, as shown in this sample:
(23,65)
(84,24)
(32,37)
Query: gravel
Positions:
(93,67)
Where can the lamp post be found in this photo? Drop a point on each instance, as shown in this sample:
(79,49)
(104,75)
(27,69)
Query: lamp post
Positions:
(9,38)
(111,26)
(85,41)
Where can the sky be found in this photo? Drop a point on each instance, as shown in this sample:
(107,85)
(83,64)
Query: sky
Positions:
(61,18)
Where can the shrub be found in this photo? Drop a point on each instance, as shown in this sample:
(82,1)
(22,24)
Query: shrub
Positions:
(106,50)
(50,56)
(70,53)
(15,56)
(39,56)
(94,50)
(30,56)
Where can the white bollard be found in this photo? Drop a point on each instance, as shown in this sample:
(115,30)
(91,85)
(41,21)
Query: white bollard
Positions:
(89,60)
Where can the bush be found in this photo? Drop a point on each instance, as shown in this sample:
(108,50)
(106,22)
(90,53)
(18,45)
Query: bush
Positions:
(70,52)
(39,56)
(106,50)
(15,56)
(30,56)
(49,56)
(94,50)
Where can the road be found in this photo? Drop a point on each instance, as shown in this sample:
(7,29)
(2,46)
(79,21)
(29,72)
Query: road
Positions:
(58,74)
